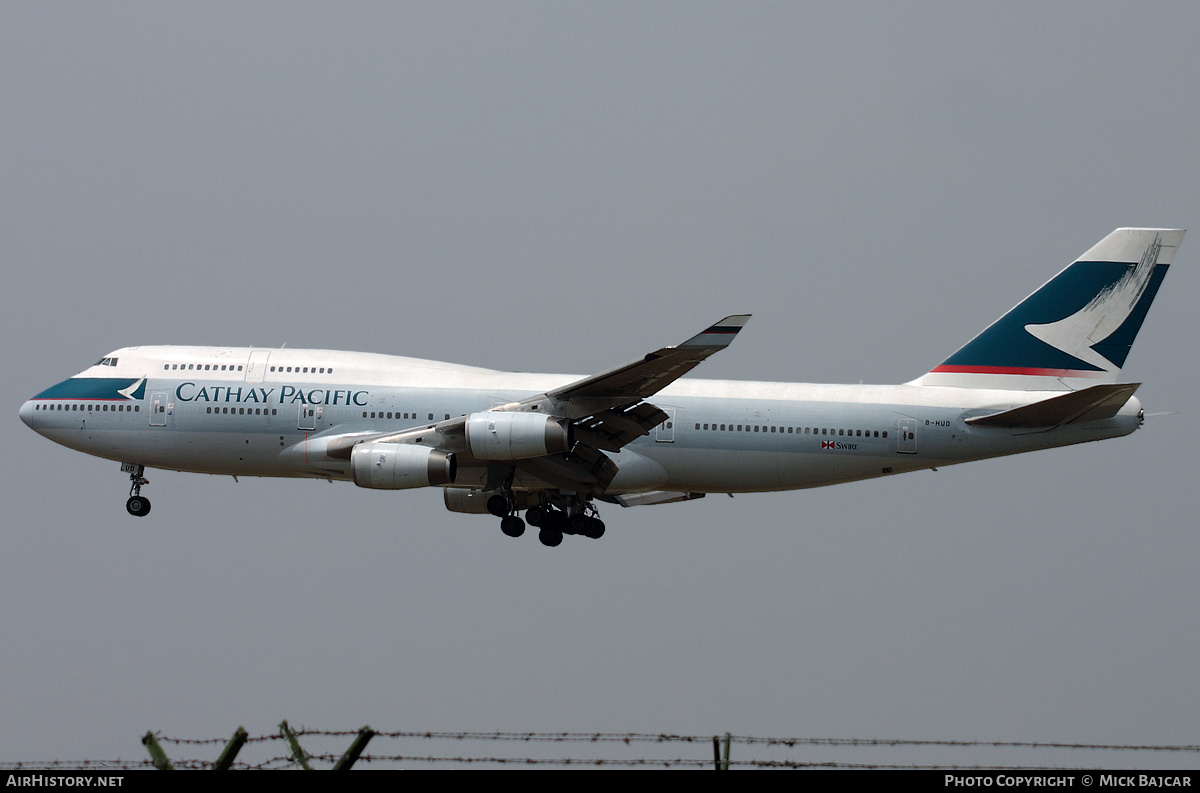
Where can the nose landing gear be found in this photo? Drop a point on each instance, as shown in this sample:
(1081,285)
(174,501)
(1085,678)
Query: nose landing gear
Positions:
(137,504)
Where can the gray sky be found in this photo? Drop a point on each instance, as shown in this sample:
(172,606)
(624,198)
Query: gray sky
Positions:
(563,187)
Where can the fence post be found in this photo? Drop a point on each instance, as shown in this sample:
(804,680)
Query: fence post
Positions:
(231,749)
(156,753)
(356,749)
(298,754)
(725,759)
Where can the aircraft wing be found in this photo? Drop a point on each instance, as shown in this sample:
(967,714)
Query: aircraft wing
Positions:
(607,411)
(646,377)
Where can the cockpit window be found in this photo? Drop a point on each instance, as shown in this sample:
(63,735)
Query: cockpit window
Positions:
(106,362)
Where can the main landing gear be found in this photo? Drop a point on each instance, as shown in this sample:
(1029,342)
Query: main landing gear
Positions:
(137,504)
(553,521)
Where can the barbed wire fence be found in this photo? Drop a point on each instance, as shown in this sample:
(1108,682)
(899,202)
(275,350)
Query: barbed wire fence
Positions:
(403,749)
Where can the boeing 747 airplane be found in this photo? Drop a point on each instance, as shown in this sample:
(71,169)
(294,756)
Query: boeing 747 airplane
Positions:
(551,446)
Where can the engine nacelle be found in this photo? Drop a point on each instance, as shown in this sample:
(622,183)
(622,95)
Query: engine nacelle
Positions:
(473,502)
(516,436)
(393,466)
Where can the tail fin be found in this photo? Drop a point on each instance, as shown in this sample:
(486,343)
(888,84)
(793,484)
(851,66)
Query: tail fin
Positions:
(1077,329)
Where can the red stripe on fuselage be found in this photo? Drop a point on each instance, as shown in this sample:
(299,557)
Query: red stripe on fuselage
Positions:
(1021,370)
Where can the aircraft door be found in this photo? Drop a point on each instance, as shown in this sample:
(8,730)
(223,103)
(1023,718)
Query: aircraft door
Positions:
(665,432)
(256,367)
(158,410)
(307,419)
(906,436)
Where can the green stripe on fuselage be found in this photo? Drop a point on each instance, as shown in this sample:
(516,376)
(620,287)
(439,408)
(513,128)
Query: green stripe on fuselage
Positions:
(93,388)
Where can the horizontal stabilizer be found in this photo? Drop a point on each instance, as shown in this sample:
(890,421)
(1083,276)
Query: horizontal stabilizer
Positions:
(1090,404)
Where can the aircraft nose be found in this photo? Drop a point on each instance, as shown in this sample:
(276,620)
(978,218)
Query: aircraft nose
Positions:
(27,413)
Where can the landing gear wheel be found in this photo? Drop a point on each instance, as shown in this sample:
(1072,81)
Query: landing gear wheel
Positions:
(595,529)
(498,506)
(550,537)
(555,520)
(137,505)
(512,526)
(535,516)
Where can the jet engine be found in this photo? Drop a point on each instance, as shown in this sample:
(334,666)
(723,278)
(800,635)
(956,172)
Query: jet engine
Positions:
(473,502)
(516,436)
(392,466)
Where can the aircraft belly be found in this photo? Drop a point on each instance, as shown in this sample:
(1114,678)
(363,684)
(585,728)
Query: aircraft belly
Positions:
(176,450)
(728,471)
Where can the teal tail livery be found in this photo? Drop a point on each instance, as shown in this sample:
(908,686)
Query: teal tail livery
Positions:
(548,450)
(1078,328)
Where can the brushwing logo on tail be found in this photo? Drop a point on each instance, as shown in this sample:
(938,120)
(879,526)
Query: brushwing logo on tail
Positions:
(1081,324)
(1078,334)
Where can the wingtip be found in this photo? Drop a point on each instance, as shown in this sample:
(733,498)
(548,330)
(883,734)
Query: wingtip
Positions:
(719,334)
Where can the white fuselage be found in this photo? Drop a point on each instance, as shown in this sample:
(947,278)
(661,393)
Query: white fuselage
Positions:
(259,412)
